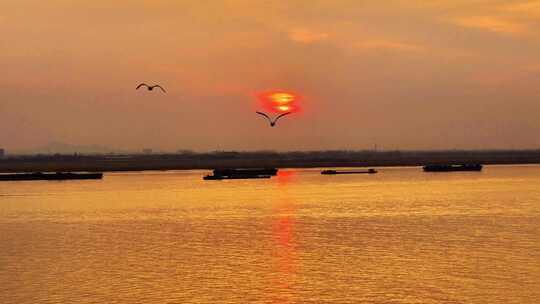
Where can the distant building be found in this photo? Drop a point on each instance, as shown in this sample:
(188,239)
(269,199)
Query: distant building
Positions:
(182,151)
(2,153)
(147,151)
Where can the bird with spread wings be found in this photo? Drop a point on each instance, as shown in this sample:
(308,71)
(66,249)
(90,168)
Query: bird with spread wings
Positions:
(150,88)
(272,122)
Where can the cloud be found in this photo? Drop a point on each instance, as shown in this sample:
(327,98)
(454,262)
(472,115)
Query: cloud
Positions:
(525,7)
(307,36)
(389,45)
(492,24)
(523,10)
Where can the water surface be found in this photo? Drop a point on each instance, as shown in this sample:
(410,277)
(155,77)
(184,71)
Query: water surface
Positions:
(400,236)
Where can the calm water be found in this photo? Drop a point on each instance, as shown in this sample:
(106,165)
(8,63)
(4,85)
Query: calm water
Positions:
(400,236)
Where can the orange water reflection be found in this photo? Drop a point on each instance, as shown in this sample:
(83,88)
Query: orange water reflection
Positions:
(286,177)
(299,237)
(285,252)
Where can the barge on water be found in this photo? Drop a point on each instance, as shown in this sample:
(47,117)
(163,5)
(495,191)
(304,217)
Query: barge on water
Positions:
(220,177)
(452,167)
(336,172)
(219,174)
(246,171)
(58,176)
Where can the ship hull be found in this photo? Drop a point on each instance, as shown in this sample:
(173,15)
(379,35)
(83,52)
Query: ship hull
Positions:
(334,172)
(452,168)
(238,172)
(220,177)
(49,176)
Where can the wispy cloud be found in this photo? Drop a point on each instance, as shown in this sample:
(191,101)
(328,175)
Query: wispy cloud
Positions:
(302,35)
(523,10)
(523,6)
(491,24)
(381,44)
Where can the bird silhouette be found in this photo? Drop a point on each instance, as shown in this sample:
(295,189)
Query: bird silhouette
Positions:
(150,88)
(272,122)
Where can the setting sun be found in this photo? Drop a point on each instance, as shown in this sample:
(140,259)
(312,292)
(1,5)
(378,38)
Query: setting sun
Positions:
(282,98)
(279,101)
(284,108)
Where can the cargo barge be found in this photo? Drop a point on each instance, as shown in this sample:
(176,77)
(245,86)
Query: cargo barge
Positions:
(220,174)
(219,177)
(336,172)
(49,176)
(453,167)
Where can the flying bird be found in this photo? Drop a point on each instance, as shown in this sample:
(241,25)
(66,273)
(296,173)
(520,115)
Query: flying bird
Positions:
(272,122)
(150,88)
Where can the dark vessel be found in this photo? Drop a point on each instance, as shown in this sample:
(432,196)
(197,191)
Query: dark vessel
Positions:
(220,177)
(219,174)
(246,171)
(335,172)
(452,167)
(49,176)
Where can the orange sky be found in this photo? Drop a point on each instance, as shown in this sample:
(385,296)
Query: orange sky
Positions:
(405,74)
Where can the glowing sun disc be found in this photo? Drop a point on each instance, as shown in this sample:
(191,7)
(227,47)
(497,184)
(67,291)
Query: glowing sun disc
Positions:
(284,108)
(282,98)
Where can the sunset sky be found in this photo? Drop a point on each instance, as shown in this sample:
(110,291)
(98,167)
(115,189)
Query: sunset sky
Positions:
(409,74)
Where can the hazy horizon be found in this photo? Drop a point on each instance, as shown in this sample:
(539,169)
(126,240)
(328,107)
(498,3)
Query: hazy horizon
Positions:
(408,75)
(92,149)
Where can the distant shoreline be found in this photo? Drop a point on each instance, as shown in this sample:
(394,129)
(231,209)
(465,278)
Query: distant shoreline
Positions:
(192,161)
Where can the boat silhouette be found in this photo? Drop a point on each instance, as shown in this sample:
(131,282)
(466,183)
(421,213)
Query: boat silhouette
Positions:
(336,172)
(49,176)
(452,167)
(221,177)
(241,173)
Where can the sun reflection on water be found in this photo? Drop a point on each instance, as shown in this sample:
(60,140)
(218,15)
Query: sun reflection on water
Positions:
(286,252)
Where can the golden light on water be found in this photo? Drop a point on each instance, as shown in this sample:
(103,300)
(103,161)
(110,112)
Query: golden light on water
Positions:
(297,237)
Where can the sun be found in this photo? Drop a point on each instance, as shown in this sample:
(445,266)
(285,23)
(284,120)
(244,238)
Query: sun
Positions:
(279,101)
(282,98)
